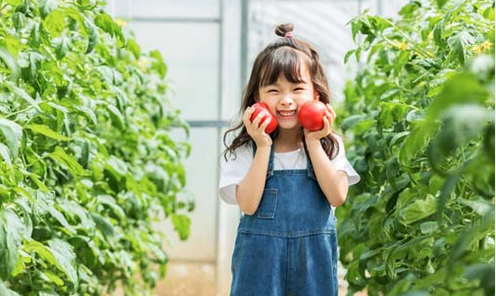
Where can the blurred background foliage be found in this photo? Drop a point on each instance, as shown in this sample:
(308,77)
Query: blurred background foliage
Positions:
(87,163)
(419,117)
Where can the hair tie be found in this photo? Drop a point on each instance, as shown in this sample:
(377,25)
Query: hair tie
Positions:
(288,34)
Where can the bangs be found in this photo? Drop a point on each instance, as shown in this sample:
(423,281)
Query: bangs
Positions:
(283,60)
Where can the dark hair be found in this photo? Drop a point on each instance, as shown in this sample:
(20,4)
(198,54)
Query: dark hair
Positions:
(284,55)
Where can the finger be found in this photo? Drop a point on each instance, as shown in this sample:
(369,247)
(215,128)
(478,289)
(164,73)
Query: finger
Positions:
(329,130)
(327,126)
(333,112)
(258,119)
(247,114)
(264,124)
(332,116)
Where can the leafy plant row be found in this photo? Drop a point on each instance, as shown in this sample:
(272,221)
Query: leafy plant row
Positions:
(86,159)
(420,119)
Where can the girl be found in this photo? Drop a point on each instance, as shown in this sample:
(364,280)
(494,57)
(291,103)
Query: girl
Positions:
(286,183)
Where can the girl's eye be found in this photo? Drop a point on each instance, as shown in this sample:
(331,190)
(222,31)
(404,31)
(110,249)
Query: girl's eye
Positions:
(299,88)
(272,91)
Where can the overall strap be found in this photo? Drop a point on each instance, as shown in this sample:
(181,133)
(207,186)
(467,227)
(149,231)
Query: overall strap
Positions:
(270,170)
(310,171)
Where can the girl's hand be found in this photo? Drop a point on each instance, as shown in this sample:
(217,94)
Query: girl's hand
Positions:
(315,136)
(256,132)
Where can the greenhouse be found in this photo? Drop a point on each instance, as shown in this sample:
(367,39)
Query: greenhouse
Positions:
(134,158)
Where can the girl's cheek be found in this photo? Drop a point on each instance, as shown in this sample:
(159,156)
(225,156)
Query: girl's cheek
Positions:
(302,100)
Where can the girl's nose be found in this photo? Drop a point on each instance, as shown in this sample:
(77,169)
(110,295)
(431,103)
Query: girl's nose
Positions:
(287,101)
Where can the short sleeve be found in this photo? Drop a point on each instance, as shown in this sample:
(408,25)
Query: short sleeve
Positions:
(233,171)
(341,163)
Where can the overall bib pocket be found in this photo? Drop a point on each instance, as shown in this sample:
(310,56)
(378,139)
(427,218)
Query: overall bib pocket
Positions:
(268,204)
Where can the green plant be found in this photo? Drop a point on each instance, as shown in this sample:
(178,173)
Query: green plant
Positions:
(86,160)
(420,119)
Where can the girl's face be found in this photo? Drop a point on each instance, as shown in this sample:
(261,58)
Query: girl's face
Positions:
(285,98)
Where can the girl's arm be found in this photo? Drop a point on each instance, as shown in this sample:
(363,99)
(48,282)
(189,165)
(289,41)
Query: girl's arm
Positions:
(333,183)
(249,192)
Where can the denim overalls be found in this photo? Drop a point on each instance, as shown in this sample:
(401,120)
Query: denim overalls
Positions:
(289,246)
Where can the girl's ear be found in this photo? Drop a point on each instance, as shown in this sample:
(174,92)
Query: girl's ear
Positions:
(316,95)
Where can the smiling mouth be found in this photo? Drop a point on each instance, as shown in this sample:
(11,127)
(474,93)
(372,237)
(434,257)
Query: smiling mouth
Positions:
(287,113)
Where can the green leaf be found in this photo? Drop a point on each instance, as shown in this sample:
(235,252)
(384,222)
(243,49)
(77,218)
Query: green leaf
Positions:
(34,40)
(350,121)
(437,33)
(24,95)
(46,6)
(66,258)
(38,183)
(103,225)
(488,142)
(429,227)
(4,153)
(89,113)
(476,232)
(62,45)
(20,267)
(116,116)
(19,20)
(462,88)
(446,190)
(484,272)
(347,55)
(481,207)
(181,174)
(107,24)
(107,73)
(134,48)
(44,252)
(489,13)
(418,210)
(47,131)
(440,3)
(397,138)
(181,225)
(53,278)
(158,64)
(60,218)
(461,123)
(68,161)
(78,213)
(13,45)
(54,22)
(392,170)
(459,43)
(410,8)
(25,208)
(10,240)
(117,166)
(10,61)
(13,135)
(4,291)
(14,3)
(92,35)
(110,202)
(416,292)
(379,23)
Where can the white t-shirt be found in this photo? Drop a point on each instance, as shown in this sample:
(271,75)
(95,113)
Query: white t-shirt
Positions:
(233,171)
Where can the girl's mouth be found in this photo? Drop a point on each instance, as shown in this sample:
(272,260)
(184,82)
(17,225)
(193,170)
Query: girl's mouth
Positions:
(289,113)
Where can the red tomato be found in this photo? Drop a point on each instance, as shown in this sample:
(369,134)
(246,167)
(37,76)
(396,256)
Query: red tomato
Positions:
(311,115)
(262,107)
